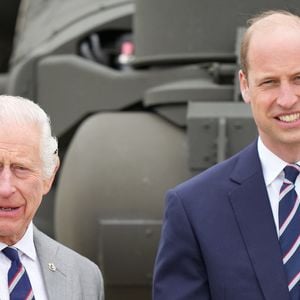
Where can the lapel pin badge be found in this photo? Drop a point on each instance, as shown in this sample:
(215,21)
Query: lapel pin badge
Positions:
(52,267)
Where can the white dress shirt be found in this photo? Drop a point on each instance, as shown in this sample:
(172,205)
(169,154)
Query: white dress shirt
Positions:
(29,259)
(272,167)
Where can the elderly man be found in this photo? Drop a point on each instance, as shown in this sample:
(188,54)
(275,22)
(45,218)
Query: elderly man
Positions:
(33,266)
(233,231)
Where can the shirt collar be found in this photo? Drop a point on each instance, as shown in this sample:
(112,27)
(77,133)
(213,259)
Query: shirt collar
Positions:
(272,165)
(25,245)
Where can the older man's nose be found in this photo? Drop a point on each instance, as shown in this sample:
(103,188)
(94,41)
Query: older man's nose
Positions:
(6,183)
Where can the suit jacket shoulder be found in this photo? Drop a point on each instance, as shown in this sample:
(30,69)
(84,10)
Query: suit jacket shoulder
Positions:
(215,183)
(218,239)
(67,274)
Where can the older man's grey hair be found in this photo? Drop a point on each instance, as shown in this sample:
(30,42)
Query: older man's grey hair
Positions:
(23,112)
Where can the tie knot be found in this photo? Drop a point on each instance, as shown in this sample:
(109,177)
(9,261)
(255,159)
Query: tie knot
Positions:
(11,253)
(291,172)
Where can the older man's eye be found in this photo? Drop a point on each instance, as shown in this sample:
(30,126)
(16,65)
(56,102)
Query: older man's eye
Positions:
(19,169)
(297,79)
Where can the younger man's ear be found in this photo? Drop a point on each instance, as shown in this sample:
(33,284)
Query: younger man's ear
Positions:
(244,86)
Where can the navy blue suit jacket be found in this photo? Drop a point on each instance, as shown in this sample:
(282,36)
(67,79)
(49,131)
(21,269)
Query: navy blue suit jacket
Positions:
(219,239)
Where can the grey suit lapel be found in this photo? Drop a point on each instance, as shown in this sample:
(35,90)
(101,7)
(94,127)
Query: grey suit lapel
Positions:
(53,268)
(253,213)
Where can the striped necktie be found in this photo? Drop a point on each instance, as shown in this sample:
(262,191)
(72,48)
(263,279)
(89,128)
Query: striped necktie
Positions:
(289,229)
(18,282)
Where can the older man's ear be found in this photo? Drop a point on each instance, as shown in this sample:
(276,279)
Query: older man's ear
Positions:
(49,181)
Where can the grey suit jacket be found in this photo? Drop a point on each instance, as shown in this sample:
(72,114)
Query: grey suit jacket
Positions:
(67,274)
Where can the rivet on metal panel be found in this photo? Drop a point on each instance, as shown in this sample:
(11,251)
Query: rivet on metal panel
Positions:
(238,126)
(206,158)
(206,126)
(148,232)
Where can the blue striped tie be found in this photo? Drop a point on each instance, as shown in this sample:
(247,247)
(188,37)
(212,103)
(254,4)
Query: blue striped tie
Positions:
(289,229)
(18,282)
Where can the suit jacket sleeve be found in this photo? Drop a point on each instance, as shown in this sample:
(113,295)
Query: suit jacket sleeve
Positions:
(179,272)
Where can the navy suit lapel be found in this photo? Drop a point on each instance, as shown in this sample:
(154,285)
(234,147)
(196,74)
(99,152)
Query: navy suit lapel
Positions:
(254,216)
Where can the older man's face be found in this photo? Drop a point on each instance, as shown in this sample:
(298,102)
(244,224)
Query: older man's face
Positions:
(22,184)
